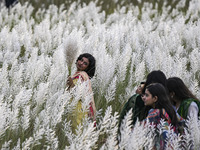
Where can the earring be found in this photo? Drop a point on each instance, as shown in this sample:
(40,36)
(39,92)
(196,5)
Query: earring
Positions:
(154,105)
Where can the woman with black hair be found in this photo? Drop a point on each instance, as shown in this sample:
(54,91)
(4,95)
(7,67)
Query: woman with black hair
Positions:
(10,3)
(135,102)
(85,65)
(161,108)
(157,98)
(187,105)
(156,76)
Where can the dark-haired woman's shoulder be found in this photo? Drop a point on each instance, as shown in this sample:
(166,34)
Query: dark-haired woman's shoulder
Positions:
(153,115)
(82,74)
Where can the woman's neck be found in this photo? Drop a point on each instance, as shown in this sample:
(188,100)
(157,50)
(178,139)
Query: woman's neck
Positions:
(178,104)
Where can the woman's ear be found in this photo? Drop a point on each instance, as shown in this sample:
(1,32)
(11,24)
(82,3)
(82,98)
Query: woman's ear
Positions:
(155,98)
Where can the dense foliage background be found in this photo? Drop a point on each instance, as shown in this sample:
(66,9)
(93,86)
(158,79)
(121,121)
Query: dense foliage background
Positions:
(129,39)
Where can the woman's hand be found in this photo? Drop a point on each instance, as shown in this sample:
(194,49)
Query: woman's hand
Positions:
(70,83)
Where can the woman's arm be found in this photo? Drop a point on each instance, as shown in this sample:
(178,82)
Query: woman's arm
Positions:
(193,110)
(70,83)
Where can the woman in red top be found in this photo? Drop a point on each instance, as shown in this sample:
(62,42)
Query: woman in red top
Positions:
(85,71)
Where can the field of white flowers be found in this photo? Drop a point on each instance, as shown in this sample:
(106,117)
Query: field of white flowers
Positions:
(127,44)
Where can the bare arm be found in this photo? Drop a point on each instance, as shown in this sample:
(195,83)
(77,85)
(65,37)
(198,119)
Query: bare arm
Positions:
(193,110)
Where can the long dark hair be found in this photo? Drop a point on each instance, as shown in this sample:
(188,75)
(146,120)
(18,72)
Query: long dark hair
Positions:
(181,91)
(90,70)
(156,76)
(163,101)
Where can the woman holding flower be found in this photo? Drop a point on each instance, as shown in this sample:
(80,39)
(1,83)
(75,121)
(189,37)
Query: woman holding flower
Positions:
(85,64)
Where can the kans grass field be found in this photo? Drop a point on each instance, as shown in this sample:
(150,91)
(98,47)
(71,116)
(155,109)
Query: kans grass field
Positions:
(129,39)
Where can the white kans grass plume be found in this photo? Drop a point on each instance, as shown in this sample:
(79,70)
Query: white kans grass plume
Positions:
(140,72)
(6,145)
(108,121)
(133,78)
(5,117)
(85,139)
(57,76)
(142,131)
(193,129)
(110,94)
(51,138)
(104,74)
(123,62)
(111,142)
(125,130)
(38,52)
(35,139)
(109,125)
(71,50)
(17,146)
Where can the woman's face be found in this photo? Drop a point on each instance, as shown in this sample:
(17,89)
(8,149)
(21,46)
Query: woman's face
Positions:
(173,98)
(148,99)
(82,64)
(139,89)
